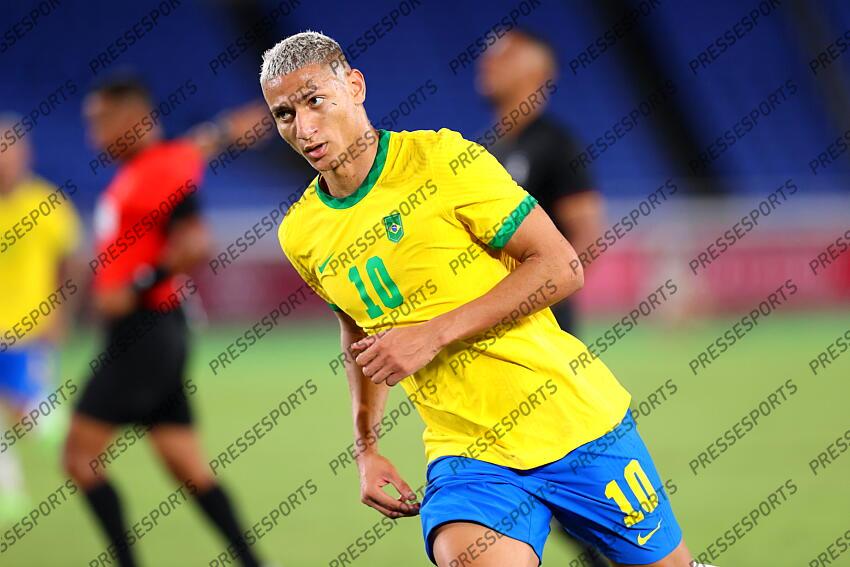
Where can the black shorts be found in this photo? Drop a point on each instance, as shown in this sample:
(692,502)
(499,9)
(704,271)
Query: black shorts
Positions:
(138,376)
(565,315)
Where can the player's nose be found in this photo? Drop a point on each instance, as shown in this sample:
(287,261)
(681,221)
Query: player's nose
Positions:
(305,128)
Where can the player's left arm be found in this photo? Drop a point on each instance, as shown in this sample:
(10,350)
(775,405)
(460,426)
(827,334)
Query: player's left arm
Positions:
(544,273)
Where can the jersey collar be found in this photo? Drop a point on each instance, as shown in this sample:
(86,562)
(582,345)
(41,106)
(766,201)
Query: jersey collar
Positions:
(368,183)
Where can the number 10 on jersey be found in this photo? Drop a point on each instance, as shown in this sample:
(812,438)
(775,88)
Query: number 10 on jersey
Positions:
(382,285)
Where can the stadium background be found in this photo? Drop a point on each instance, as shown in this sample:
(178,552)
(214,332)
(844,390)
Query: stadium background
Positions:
(649,45)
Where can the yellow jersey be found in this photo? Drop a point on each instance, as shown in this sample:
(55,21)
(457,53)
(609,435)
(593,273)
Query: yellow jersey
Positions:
(424,235)
(38,228)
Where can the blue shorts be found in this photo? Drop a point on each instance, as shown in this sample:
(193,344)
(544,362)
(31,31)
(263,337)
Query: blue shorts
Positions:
(25,373)
(606,493)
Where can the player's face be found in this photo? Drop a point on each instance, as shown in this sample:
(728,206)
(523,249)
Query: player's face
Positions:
(109,119)
(314,110)
(501,68)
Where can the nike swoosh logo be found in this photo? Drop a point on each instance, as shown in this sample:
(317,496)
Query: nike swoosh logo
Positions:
(324,264)
(643,539)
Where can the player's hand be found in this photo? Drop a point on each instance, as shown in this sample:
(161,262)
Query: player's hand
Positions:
(392,356)
(252,119)
(375,473)
(242,120)
(115,303)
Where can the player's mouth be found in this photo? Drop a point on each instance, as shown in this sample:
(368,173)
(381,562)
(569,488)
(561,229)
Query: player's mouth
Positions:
(316,151)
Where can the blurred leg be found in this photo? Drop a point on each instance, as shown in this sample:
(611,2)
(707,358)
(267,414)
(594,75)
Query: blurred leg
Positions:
(11,478)
(180,450)
(13,498)
(679,557)
(52,426)
(87,438)
(453,542)
(19,388)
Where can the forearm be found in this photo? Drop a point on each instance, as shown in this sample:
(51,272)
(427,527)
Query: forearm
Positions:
(208,137)
(213,136)
(581,218)
(367,399)
(189,244)
(184,258)
(538,282)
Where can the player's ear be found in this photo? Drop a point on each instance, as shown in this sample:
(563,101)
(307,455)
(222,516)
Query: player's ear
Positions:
(356,86)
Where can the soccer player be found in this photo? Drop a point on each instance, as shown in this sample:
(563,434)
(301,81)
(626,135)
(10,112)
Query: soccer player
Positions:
(440,269)
(39,231)
(517,75)
(148,231)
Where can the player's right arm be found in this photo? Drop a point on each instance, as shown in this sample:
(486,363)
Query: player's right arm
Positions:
(367,408)
(213,136)
(367,399)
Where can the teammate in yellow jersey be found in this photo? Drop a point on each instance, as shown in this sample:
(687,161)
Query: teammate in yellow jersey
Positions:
(39,230)
(441,269)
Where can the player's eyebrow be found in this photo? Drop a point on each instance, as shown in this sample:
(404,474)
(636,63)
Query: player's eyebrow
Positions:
(285,106)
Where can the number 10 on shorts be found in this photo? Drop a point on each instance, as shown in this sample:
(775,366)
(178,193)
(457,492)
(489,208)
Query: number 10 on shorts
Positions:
(641,488)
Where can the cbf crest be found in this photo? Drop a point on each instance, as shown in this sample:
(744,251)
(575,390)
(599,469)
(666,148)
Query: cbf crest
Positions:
(394,228)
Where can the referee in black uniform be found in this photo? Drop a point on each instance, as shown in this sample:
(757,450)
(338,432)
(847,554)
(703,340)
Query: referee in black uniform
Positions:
(149,231)
(517,74)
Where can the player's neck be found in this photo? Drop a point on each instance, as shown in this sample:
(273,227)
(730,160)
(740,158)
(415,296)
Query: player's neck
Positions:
(8,189)
(140,147)
(508,108)
(346,178)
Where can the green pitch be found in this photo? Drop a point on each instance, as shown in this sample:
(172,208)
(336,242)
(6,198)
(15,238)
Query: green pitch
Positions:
(304,442)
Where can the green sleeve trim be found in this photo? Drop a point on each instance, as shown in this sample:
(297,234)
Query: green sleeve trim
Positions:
(334,307)
(512,222)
